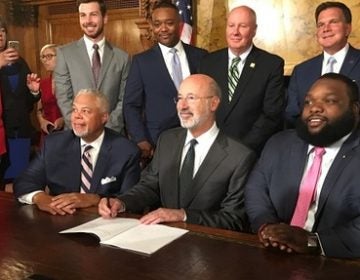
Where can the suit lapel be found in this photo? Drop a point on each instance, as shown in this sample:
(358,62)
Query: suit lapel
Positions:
(107,58)
(351,59)
(73,157)
(190,58)
(341,160)
(101,163)
(170,192)
(214,157)
(82,53)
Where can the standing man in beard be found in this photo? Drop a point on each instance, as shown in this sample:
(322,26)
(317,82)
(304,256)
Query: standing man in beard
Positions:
(92,62)
(303,195)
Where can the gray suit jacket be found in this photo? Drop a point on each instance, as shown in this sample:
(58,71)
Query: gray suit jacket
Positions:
(216,198)
(73,72)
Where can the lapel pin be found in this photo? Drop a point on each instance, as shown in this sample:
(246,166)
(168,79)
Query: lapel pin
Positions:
(252,65)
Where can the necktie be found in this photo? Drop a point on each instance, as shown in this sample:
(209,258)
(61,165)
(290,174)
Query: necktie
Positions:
(96,63)
(176,68)
(187,171)
(307,192)
(234,76)
(330,65)
(86,170)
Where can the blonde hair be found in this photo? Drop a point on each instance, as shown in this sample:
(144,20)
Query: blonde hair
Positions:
(47,46)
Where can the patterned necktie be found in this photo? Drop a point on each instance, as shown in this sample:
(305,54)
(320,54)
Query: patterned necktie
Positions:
(307,193)
(96,63)
(176,72)
(234,76)
(86,170)
(330,65)
(187,171)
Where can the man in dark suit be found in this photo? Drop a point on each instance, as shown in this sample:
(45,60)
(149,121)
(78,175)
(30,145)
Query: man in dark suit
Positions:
(329,221)
(149,108)
(333,21)
(252,107)
(75,65)
(212,194)
(60,166)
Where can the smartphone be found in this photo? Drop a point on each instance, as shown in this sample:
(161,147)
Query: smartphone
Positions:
(14,45)
(50,128)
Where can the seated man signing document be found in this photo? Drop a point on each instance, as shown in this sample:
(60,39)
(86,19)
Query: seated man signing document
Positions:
(197,174)
(80,165)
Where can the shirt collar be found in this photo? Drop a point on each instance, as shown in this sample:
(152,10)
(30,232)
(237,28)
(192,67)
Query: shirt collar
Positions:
(164,49)
(96,144)
(242,56)
(213,131)
(334,146)
(89,44)
(339,56)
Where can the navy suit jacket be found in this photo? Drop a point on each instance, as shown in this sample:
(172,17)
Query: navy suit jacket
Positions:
(273,186)
(255,111)
(306,73)
(149,106)
(58,166)
(216,197)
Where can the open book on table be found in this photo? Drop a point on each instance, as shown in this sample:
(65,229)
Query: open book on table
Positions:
(129,234)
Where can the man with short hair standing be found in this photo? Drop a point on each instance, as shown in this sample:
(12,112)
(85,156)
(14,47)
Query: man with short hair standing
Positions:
(92,62)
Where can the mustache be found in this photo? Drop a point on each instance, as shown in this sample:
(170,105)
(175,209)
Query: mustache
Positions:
(89,25)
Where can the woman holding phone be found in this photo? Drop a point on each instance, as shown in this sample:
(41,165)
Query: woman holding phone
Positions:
(48,112)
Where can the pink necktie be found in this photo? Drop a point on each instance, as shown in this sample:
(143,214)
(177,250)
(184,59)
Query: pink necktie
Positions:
(307,190)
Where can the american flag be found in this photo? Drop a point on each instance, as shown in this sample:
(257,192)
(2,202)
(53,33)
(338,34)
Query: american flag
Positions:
(185,10)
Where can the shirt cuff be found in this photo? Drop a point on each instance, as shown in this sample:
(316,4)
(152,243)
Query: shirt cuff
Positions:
(185,216)
(28,198)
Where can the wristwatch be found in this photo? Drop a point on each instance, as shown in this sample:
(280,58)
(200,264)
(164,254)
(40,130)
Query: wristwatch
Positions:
(313,243)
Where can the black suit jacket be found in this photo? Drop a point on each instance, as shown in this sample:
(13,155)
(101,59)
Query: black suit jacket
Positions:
(58,166)
(216,199)
(273,186)
(17,103)
(255,111)
(149,106)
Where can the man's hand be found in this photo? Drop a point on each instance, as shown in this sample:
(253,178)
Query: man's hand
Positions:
(147,152)
(8,56)
(285,237)
(43,201)
(33,82)
(68,202)
(163,215)
(109,207)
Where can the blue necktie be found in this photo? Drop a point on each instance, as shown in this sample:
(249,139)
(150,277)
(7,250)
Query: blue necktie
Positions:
(176,72)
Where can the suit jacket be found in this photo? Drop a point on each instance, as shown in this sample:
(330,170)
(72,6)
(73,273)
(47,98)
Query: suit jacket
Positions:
(149,106)
(17,102)
(58,166)
(255,111)
(216,198)
(307,72)
(73,72)
(272,191)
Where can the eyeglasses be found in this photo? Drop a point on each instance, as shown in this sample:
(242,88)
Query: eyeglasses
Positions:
(47,56)
(190,99)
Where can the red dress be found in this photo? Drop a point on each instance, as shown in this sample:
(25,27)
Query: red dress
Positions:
(51,111)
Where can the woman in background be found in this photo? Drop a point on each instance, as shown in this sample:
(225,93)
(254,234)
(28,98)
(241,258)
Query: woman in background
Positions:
(48,112)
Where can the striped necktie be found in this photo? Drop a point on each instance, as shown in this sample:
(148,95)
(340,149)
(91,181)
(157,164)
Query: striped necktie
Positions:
(234,76)
(86,170)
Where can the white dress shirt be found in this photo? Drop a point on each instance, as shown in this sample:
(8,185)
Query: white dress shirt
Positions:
(167,55)
(339,56)
(204,142)
(242,56)
(90,50)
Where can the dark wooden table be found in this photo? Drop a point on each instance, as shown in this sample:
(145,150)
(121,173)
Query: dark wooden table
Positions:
(32,248)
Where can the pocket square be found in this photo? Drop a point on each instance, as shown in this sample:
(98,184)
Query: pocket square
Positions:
(108,180)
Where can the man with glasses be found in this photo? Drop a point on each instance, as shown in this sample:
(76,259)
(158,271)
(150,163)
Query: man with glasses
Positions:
(197,174)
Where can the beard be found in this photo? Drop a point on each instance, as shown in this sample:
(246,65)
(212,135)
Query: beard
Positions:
(330,133)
